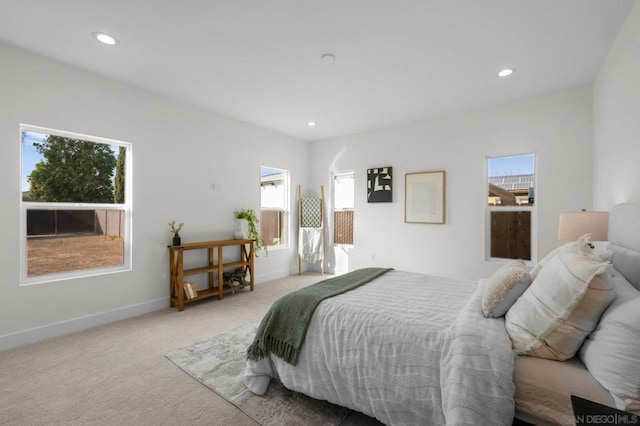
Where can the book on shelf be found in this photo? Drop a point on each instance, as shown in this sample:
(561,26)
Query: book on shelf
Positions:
(190,291)
(185,287)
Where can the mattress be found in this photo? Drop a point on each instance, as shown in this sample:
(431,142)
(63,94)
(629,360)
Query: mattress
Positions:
(544,388)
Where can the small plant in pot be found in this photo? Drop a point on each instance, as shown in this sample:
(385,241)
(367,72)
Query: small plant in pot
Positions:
(249,219)
(175,230)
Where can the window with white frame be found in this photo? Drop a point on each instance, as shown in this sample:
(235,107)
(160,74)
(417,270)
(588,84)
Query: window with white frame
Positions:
(274,207)
(343,206)
(510,208)
(75,208)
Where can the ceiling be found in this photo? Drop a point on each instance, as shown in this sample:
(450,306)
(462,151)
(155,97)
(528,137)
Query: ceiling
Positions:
(260,60)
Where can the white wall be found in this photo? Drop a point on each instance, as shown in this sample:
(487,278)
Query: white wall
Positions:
(617,119)
(557,127)
(178,150)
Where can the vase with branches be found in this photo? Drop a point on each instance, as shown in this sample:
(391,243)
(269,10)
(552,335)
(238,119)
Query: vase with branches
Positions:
(175,230)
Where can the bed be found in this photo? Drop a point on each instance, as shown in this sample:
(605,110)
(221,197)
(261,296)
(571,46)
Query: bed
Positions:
(408,348)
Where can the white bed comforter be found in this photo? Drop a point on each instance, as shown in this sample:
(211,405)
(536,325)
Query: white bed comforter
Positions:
(407,349)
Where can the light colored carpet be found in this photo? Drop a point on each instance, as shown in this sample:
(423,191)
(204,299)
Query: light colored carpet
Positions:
(118,374)
(219,363)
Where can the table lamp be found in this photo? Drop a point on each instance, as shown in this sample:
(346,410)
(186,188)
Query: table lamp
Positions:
(573,225)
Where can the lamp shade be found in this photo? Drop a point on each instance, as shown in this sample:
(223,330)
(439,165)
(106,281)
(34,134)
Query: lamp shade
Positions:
(573,225)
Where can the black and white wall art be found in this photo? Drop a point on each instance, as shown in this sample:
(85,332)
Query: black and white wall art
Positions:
(379,185)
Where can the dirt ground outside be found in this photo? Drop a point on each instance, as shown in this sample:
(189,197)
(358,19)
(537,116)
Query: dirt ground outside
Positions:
(49,255)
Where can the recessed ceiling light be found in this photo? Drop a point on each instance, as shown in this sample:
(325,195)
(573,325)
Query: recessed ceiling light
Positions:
(328,58)
(506,72)
(311,123)
(105,38)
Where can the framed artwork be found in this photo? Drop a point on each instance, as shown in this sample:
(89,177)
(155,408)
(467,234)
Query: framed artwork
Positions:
(379,185)
(424,197)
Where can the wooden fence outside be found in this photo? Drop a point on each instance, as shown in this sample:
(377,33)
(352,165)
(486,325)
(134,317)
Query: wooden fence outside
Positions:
(343,227)
(511,235)
(272,227)
(65,222)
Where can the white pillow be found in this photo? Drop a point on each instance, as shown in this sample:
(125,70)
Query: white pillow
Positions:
(503,288)
(561,307)
(581,245)
(611,353)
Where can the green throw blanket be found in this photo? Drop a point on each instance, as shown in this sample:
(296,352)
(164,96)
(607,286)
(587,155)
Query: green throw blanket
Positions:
(284,327)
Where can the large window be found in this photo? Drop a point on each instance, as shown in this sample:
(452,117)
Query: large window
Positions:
(343,204)
(274,207)
(511,207)
(75,205)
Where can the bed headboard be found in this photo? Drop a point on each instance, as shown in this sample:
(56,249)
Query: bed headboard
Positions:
(624,240)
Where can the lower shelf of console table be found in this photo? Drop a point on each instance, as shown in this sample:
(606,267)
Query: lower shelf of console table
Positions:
(215,267)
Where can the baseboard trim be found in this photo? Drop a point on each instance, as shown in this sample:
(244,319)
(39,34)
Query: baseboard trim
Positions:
(263,278)
(33,335)
(21,338)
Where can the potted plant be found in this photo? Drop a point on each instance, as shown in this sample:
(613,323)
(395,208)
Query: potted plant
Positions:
(247,227)
(175,229)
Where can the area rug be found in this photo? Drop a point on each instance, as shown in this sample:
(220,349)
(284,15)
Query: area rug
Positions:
(219,362)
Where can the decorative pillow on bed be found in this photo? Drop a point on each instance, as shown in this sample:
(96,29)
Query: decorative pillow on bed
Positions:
(503,288)
(561,307)
(611,352)
(581,245)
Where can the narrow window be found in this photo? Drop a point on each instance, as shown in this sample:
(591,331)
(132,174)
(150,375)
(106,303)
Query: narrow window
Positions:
(511,207)
(274,207)
(75,205)
(343,204)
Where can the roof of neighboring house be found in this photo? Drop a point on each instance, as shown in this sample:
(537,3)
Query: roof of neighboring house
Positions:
(514,182)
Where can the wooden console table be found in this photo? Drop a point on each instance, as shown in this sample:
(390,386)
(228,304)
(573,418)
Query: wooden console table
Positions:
(177,271)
